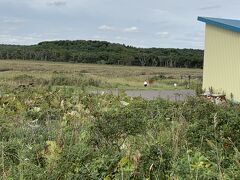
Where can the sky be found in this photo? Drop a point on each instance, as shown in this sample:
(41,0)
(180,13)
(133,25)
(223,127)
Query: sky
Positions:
(139,23)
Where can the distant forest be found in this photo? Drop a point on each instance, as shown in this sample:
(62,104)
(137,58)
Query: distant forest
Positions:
(102,52)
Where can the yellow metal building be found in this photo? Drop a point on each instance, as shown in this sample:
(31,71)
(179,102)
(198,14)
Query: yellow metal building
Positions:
(222,56)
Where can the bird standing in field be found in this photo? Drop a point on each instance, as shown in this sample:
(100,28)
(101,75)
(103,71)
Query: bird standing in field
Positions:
(145,83)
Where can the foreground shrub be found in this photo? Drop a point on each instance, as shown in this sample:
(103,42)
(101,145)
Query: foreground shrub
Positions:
(64,133)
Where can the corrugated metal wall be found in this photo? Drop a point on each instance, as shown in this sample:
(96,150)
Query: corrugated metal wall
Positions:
(222,61)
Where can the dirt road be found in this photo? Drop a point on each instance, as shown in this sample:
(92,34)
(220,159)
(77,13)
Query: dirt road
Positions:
(173,95)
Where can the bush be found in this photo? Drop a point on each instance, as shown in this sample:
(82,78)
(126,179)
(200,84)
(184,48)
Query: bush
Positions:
(64,133)
(81,81)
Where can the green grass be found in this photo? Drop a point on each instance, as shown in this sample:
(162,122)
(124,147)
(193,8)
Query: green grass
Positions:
(123,77)
(51,132)
(55,129)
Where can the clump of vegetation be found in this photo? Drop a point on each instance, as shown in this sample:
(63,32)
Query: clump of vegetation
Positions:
(25,79)
(80,81)
(5,69)
(63,133)
(157,78)
(59,79)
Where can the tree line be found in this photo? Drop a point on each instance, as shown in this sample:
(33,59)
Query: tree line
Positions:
(103,52)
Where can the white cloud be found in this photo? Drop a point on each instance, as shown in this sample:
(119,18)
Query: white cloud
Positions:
(16,39)
(210,7)
(70,6)
(29,38)
(132,29)
(57,3)
(97,37)
(13,21)
(106,28)
(10,24)
(162,34)
(120,38)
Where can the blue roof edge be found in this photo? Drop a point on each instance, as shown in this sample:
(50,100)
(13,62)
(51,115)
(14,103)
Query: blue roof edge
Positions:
(210,21)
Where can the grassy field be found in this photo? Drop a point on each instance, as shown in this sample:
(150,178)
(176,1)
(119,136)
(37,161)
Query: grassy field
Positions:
(125,77)
(48,131)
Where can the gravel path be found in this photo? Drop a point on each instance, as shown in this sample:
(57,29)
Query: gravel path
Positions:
(173,95)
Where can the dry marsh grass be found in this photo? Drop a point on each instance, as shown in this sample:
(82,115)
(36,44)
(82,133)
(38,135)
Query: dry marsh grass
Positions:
(120,76)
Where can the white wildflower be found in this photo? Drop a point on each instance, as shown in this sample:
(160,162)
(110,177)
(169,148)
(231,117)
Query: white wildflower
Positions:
(29,147)
(62,104)
(124,103)
(33,126)
(36,109)
(35,121)
(73,113)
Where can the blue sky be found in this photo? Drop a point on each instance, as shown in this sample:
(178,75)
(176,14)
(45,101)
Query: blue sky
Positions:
(140,23)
